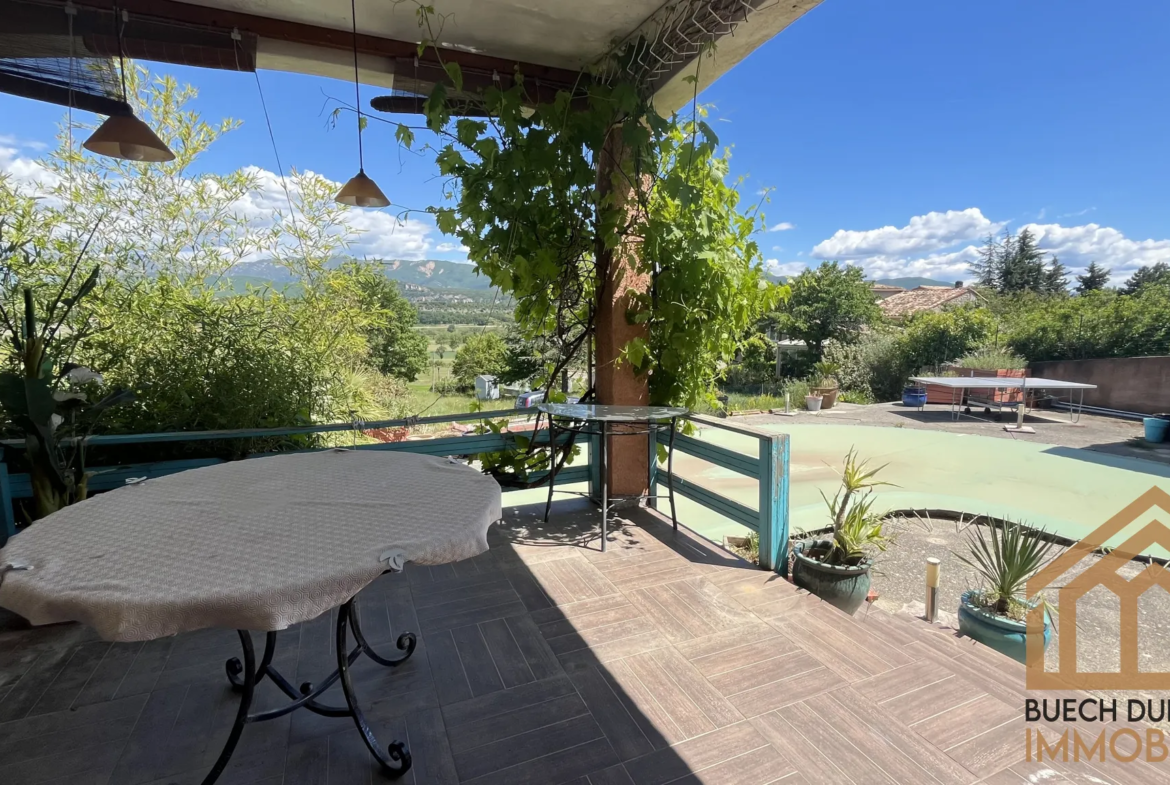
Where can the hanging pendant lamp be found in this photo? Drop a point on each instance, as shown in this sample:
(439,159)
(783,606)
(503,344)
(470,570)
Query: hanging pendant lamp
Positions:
(360,191)
(124,135)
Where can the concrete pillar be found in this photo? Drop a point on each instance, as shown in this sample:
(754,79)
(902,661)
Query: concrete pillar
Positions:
(616,269)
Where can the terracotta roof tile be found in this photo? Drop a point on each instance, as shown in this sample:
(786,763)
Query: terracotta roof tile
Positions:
(924,298)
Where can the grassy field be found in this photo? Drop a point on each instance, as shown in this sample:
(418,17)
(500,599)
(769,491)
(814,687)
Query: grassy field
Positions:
(429,404)
(422,398)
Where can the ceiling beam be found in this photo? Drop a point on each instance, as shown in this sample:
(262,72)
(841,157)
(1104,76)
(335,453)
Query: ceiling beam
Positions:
(313,35)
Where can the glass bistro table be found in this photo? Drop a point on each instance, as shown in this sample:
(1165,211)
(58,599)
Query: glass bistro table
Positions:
(254,545)
(602,420)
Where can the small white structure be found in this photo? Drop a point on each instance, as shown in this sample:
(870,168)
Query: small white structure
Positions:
(487,388)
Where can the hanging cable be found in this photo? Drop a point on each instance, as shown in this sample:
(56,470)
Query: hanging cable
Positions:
(357,89)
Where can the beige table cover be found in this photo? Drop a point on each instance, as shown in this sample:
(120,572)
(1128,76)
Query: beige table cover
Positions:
(258,544)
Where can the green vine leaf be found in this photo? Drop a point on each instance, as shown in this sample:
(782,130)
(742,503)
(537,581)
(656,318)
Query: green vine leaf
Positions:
(455,73)
(404,135)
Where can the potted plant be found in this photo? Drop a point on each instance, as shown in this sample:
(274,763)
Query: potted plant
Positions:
(838,570)
(812,402)
(826,385)
(1005,557)
(913,395)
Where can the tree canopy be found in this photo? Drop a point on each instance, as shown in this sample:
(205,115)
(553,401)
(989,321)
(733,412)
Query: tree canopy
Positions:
(1157,274)
(483,353)
(1095,278)
(1014,263)
(829,302)
(165,318)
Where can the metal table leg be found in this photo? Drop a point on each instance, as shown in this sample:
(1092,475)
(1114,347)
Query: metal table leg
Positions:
(246,675)
(552,464)
(670,473)
(603,455)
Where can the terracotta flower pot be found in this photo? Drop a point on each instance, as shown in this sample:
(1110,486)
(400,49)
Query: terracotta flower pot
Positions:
(828,395)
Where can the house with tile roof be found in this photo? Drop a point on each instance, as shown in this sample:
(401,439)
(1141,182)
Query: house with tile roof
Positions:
(927,298)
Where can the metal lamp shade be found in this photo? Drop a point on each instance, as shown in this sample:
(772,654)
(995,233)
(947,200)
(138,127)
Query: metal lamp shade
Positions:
(125,136)
(361,191)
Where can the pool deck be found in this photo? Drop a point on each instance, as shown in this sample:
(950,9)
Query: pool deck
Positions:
(545,661)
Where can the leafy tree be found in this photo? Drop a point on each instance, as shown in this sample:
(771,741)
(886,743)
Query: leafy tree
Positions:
(450,328)
(1157,274)
(525,357)
(165,319)
(396,348)
(485,353)
(932,338)
(1095,278)
(1055,278)
(830,302)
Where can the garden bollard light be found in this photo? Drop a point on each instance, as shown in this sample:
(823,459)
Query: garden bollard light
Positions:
(787,401)
(932,589)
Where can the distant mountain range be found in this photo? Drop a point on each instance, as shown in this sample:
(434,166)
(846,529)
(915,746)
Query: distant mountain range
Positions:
(905,283)
(440,274)
(911,283)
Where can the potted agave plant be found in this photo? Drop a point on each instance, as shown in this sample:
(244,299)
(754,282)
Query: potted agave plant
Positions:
(826,385)
(1005,557)
(838,570)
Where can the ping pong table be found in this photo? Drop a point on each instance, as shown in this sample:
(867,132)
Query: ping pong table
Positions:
(960,386)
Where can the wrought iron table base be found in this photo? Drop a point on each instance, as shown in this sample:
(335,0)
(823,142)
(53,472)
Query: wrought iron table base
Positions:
(244,677)
(651,430)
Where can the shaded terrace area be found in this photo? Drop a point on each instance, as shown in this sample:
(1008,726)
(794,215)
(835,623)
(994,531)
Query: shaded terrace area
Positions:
(663,660)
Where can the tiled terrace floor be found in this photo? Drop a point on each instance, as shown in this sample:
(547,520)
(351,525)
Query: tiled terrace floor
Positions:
(545,661)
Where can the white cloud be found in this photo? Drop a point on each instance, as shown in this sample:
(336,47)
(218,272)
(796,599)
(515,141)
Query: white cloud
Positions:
(783,226)
(939,245)
(1078,245)
(786,269)
(22,168)
(376,233)
(1078,213)
(777,248)
(923,234)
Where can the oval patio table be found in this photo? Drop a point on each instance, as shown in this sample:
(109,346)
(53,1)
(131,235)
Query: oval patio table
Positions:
(253,545)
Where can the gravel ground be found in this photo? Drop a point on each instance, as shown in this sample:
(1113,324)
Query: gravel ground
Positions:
(900,581)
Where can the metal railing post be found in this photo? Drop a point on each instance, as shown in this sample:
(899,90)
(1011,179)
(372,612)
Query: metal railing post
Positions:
(8,522)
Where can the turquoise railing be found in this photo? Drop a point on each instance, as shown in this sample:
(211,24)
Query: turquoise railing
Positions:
(770,519)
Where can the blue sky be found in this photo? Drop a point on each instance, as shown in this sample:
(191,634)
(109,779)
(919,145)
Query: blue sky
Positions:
(893,134)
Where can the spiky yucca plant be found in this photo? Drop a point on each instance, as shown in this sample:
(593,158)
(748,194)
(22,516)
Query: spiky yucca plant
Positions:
(856,528)
(1006,557)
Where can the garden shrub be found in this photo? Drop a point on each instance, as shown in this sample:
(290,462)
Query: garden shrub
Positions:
(1097,324)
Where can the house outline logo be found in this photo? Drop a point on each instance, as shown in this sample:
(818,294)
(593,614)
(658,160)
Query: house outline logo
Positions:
(1103,573)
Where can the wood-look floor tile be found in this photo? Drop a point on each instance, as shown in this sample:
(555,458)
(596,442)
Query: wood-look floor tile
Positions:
(931,700)
(949,728)
(695,756)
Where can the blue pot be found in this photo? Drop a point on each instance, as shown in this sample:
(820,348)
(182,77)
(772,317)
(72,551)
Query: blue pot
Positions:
(914,396)
(1155,429)
(842,587)
(1004,635)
